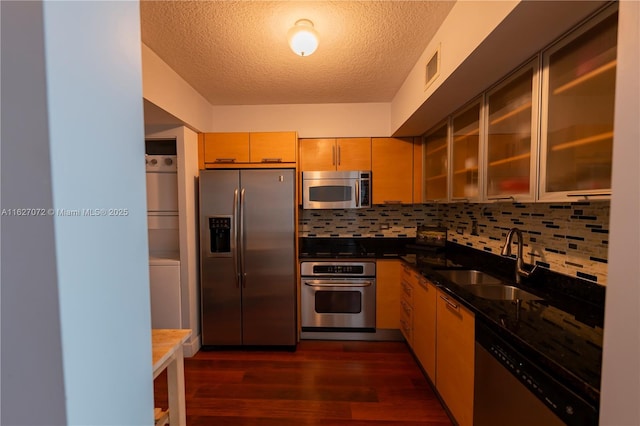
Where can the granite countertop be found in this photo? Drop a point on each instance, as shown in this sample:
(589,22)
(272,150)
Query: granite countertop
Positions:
(561,333)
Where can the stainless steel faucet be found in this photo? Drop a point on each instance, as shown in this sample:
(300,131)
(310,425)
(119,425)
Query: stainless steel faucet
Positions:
(506,251)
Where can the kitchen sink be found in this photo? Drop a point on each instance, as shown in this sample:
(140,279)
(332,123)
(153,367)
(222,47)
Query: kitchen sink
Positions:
(500,292)
(469,277)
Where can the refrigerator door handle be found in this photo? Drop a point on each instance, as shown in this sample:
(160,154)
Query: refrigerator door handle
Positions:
(243,275)
(234,249)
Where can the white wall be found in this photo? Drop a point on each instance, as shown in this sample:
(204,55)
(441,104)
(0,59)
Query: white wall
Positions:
(187,146)
(163,87)
(94,100)
(309,120)
(32,381)
(621,358)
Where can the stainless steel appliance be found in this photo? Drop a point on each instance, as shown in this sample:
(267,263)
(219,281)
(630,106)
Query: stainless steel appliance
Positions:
(247,246)
(338,296)
(162,178)
(336,189)
(511,388)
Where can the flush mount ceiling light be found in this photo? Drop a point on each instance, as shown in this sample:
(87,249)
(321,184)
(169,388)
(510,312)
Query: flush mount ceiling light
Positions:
(303,38)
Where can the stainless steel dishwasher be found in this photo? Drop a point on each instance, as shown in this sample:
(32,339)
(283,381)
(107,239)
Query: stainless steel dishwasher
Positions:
(510,389)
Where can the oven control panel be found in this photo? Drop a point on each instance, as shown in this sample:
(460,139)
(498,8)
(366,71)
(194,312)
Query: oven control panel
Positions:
(338,269)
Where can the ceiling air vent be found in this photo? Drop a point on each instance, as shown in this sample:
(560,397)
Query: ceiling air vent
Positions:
(432,70)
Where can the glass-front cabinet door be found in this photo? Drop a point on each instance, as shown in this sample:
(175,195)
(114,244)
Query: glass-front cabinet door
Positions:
(436,164)
(578,89)
(465,153)
(511,123)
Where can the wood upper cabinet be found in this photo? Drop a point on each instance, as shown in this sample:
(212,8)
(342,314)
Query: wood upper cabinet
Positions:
(435,153)
(335,154)
(226,148)
(424,324)
(223,149)
(512,136)
(455,355)
(578,96)
(417,170)
(392,169)
(388,293)
(465,154)
(272,147)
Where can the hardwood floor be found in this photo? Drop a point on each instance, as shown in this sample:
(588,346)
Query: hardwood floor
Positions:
(322,383)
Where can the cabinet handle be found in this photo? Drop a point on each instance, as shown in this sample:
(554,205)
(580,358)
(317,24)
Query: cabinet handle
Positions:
(462,200)
(405,308)
(511,197)
(405,327)
(272,160)
(225,160)
(392,202)
(450,303)
(586,196)
(333,156)
(339,155)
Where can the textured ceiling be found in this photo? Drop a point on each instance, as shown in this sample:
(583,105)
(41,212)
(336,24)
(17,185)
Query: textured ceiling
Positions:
(236,52)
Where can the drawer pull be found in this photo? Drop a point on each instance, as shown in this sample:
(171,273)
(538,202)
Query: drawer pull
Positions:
(225,160)
(450,303)
(272,160)
(406,308)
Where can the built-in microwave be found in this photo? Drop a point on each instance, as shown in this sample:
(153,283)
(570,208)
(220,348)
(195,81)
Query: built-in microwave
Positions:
(336,189)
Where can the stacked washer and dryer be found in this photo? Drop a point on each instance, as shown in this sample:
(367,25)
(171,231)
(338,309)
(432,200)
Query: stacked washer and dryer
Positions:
(163,226)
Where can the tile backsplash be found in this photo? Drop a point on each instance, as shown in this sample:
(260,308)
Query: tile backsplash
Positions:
(568,238)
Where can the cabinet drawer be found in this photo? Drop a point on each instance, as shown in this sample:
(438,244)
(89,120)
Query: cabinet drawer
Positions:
(407,330)
(407,291)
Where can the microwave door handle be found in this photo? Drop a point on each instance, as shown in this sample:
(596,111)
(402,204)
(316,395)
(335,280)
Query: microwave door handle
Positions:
(358,193)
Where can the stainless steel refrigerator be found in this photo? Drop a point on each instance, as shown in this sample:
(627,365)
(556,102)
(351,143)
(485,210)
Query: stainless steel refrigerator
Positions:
(247,257)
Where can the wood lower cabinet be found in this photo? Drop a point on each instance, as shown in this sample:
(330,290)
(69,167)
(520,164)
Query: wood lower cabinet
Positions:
(388,294)
(407,283)
(392,169)
(242,148)
(424,325)
(455,357)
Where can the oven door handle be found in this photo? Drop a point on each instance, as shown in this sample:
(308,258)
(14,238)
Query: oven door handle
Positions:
(320,283)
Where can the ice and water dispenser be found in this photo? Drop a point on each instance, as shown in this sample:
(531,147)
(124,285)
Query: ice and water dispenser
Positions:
(220,235)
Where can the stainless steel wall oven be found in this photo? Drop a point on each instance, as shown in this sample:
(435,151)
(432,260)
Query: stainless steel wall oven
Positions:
(338,296)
